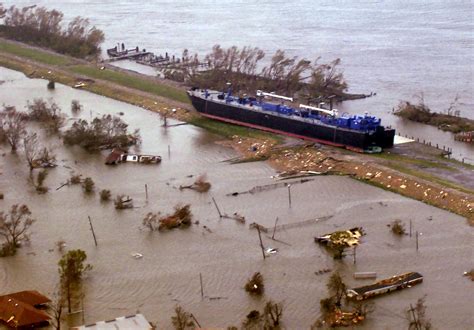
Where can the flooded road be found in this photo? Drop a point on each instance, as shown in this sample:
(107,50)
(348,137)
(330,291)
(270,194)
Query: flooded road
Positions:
(168,273)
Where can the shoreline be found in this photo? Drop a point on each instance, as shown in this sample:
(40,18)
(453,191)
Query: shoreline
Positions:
(154,95)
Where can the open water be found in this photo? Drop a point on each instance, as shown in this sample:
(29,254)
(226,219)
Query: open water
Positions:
(226,253)
(397,49)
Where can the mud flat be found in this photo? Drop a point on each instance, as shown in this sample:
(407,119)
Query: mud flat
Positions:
(168,273)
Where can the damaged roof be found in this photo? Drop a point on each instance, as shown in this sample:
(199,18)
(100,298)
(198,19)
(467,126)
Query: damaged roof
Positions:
(16,313)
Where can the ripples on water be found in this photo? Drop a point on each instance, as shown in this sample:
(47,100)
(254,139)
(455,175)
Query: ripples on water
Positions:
(168,274)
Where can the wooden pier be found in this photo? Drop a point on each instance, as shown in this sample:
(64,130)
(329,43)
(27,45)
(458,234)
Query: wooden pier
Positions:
(143,57)
(116,54)
(465,137)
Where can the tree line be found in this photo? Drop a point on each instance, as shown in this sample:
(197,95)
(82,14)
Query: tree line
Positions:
(242,67)
(42,27)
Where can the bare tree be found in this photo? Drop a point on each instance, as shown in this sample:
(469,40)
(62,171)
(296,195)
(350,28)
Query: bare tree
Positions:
(337,287)
(56,309)
(14,226)
(38,183)
(417,316)
(12,126)
(49,115)
(272,313)
(35,156)
(76,107)
(31,147)
(182,320)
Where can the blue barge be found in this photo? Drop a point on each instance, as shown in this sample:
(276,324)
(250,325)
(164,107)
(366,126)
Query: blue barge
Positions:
(359,133)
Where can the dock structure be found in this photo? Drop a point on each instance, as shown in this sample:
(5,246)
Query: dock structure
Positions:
(397,282)
(465,137)
(119,52)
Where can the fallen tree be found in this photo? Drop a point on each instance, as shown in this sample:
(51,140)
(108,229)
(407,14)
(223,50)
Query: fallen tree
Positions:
(181,217)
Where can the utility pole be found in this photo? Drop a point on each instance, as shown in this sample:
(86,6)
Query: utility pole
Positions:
(92,229)
(289,195)
(217,207)
(261,243)
(274,228)
(202,290)
(417,240)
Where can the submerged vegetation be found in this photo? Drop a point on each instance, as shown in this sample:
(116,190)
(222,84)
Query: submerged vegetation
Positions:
(450,121)
(72,267)
(398,227)
(255,284)
(49,115)
(14,228)
(181,217)
(101,133)
(269,319)
(12,126)
(200,185)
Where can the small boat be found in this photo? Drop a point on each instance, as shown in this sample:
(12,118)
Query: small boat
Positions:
(393,283)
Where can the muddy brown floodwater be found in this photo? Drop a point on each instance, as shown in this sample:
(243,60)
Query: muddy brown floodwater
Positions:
(168,273)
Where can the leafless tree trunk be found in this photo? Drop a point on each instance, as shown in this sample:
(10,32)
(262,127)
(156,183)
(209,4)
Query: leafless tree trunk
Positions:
(12,125)
(14,225)
(31,147)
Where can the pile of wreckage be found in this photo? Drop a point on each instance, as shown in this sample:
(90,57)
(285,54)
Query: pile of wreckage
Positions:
(339,241)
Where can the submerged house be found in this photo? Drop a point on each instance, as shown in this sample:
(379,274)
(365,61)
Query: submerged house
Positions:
(24,310)
(119,156)
(393,283)
(131,322)
(347,238)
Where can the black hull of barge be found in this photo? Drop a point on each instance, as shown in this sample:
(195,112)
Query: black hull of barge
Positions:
(280,124)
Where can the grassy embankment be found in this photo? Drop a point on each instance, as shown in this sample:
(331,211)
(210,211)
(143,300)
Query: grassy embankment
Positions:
(33,54)
(68,71)
(408,166)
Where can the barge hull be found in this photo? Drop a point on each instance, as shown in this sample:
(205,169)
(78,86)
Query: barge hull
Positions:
(281,124)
